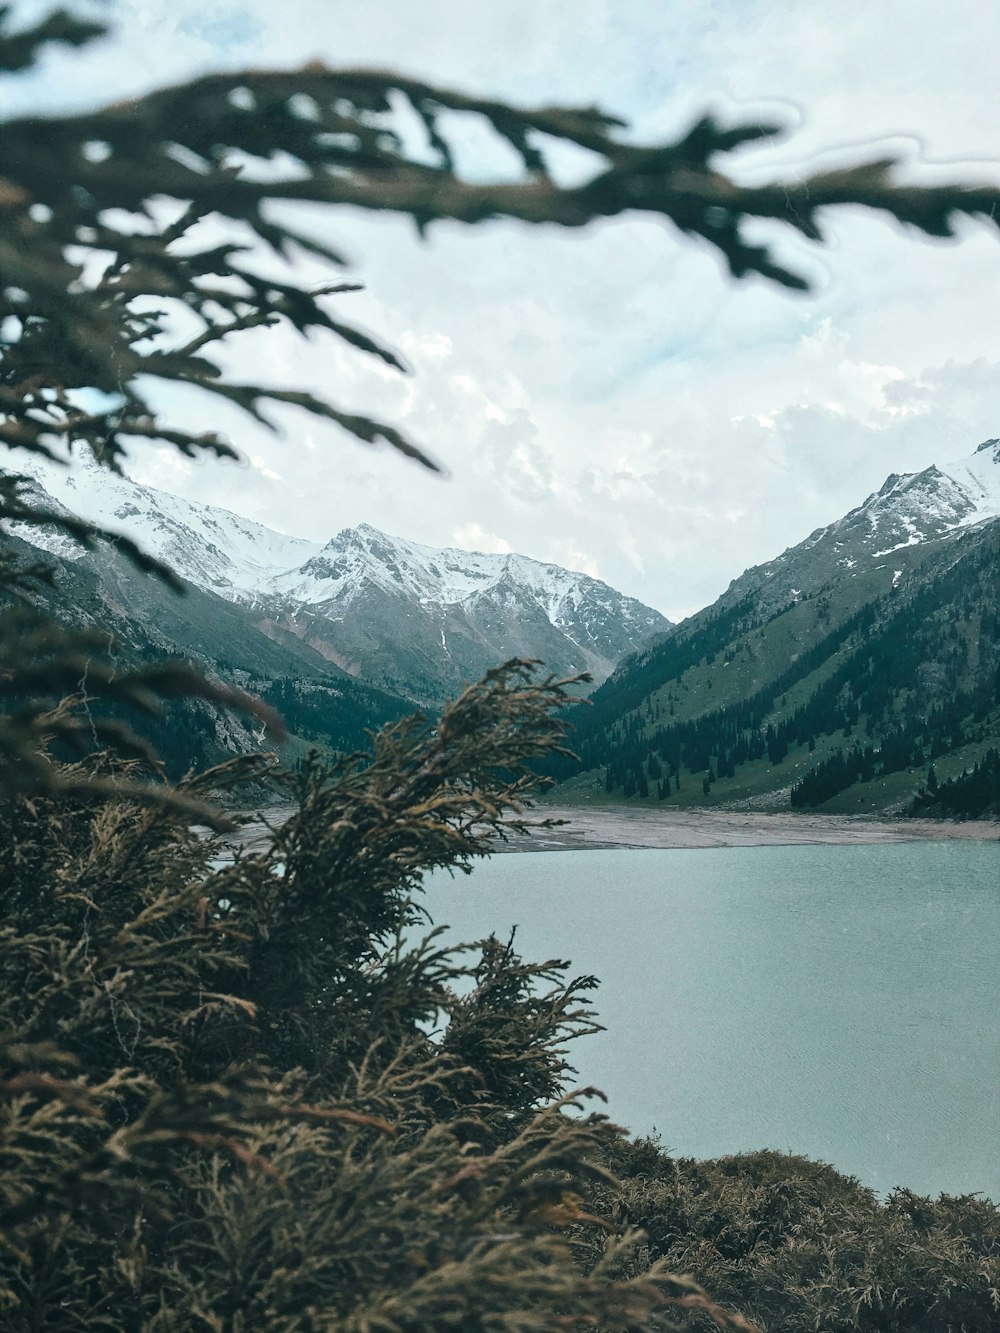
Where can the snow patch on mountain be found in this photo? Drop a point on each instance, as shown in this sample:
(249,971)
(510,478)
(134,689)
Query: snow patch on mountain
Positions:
(363,584)
(364,556)
(900,519)
(979,478)
(922,506)
(211,547)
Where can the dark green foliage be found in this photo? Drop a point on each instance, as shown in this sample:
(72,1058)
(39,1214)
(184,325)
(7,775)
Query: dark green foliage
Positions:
(21,46)
(246,1095)
(336,713)
(798,1247)
(972,795)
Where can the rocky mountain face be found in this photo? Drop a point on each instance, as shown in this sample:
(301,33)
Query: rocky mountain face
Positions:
(876,545)
(422,621)
(834,676)
(414,620)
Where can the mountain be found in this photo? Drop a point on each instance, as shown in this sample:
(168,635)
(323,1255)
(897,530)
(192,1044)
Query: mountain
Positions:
(210,547)
(414,620)
(422,622)
(834,676)
(147,622)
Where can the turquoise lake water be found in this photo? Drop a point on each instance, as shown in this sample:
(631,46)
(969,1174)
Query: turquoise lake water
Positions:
(841,1002)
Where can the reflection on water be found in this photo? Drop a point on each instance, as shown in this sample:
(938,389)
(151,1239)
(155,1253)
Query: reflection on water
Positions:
(842,1002)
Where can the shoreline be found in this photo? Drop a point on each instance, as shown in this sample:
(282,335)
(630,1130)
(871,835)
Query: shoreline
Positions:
(604,828)
(607,828)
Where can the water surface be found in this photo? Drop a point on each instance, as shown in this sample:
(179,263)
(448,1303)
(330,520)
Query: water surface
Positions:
(841,1002)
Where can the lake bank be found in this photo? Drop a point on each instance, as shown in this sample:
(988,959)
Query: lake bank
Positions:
(604,827)
(597,828)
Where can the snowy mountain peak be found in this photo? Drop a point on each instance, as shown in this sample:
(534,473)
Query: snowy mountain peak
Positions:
(210,546)
(419,620)
(363,556)
(887,534)
(923,506)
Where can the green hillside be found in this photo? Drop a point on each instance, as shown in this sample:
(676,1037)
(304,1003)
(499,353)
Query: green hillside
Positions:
(840,696)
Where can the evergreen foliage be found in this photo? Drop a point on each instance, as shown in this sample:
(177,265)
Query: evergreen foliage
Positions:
(799,1247)
(971,795)
(249,1095)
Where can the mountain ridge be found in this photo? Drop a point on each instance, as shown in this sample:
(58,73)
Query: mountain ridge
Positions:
(871,648)
(416,620)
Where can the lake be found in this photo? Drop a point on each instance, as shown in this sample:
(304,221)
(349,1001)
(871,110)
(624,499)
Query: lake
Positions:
(840,1002)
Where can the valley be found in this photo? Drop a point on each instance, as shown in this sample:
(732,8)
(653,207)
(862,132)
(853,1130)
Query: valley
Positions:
(856,674)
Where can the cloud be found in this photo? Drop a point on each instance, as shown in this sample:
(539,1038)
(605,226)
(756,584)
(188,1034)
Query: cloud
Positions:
(609,398)
(471,537)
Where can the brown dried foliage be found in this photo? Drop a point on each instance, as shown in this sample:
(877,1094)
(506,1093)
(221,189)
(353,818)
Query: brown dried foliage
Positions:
(247,1094)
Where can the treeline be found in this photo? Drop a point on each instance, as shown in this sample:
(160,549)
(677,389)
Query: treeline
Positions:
(910,743)
(338,715)
(190,734)
(972,795)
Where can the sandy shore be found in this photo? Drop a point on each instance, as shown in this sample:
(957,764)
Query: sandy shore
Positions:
(596,827)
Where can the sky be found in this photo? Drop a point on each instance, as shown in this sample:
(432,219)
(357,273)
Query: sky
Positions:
(609,399)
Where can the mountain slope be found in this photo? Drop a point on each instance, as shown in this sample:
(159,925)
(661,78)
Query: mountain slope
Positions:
(423,621)
(832,676)
(145,621)
(210,547)
(412,619)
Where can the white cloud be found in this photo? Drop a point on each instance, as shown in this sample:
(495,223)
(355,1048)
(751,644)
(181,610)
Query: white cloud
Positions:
(427,346)
(471,537)
(609,399)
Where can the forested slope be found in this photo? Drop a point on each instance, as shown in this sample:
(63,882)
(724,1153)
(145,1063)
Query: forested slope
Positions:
(838,696)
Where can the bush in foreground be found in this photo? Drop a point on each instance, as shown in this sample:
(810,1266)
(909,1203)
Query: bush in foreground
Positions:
(241,1096)
(255,1094)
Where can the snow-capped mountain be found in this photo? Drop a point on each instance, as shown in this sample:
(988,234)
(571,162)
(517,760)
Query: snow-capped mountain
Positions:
(833,675)
(210,547)
(421,621)
(924,505)
(417,620)
(887,535)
